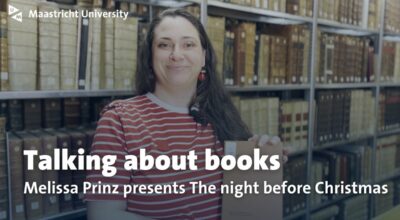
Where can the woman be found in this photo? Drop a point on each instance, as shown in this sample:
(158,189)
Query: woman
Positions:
(181,106)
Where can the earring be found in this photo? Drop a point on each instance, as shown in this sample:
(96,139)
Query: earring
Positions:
(202,75)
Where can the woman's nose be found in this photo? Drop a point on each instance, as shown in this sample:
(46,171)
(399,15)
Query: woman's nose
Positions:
(176,54)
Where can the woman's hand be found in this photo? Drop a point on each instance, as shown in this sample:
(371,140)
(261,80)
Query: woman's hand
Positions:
(270,140)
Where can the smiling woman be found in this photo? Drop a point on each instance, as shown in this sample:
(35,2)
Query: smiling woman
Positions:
(181,107)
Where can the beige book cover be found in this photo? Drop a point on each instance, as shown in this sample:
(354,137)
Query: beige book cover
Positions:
(252,206)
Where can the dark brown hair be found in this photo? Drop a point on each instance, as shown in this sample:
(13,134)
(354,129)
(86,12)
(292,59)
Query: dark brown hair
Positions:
(215,104)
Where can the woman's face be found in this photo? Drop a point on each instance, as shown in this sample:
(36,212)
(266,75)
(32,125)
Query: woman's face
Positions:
(177,53)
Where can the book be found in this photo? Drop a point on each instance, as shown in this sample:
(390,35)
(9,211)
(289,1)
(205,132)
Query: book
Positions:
(391,23)
(64,177)
(68,53)
(52,113)
(32,114)
(108,82)
(264,59)
(16,176)
(228,67)
(48,49)
(83,48)
(48,144)
(33,202)
(97,71)
(4,77)
(23,70)
(216,33)
(239,55)
(16,115)
(72,111)
(125,51)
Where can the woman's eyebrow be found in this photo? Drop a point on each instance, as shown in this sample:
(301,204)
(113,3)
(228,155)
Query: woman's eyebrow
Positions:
(184,37)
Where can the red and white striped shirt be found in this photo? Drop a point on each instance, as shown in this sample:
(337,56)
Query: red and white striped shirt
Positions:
(145,122)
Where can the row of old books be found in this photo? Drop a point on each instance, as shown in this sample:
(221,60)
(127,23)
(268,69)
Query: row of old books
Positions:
(343,11)
(347,163)
(392,16)
(68,53)
(343,59)
(348,12)
(390,62)
(389,107)
(343,114)
(37,206)
(264,54)
(296,7)
(387,156)
(286,118)
(4,199)
(51,113)
(354,208)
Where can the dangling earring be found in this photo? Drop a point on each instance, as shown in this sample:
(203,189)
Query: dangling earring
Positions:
(202,75)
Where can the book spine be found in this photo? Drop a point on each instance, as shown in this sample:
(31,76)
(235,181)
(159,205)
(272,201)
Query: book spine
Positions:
(250,30)
(4,78)
(69,53)
(239,55)
(83,51)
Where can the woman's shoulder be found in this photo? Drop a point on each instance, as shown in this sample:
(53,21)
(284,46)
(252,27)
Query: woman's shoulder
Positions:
(126,105)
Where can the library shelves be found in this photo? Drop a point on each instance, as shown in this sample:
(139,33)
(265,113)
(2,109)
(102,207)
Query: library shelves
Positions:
(220,8)
(62,94)
(267,16)
(343,142)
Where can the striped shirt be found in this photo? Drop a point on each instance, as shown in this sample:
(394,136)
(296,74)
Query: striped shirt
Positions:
(146,122)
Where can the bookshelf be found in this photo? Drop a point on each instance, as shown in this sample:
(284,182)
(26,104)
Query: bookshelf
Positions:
(219,8)
(62,94)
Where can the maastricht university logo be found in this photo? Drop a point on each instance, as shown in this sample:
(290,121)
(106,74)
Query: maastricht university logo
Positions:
(15,13)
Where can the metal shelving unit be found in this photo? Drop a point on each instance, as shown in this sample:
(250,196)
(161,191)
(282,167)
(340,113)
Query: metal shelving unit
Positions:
(387,85)
(62,94)
(345,86)
(267,88)
(232,10)
(343,142)
(388,132)
(346,28)
(377,92)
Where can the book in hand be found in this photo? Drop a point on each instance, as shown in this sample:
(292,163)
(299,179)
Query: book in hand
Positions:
(253,205)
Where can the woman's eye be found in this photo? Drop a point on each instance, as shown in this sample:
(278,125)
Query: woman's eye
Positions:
(163,45)
(189,45)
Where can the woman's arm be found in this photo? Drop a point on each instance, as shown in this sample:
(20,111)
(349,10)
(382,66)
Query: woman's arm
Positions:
(106,210)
